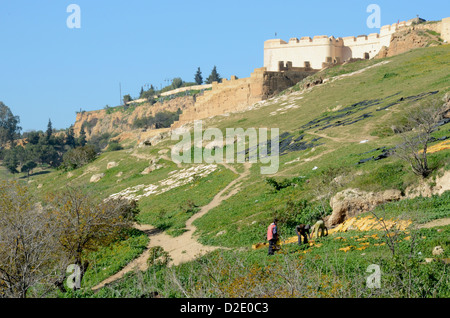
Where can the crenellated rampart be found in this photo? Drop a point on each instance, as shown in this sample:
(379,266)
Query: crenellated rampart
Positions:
(321,51)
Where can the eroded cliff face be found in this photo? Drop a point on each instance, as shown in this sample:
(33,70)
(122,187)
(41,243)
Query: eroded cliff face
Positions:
(238,94)
(121,121)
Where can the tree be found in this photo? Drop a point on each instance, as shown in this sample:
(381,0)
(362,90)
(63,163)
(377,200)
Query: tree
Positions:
(177,82)
(114,146)
(422,120)
(199,77)
(70,137)
(165,119)
(49,131)
(144,122)
(28,167)
(214,77)
(27,247)
(82,138)
(149,95)
(10,161)
(32,137)
(83,223)
(9,128)
(78,157)
(127,98)
(47,154)
(141,94)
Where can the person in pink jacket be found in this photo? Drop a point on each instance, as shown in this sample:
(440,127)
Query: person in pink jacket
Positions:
(272,236)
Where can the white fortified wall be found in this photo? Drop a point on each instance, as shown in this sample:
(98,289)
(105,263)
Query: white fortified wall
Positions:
(324,49)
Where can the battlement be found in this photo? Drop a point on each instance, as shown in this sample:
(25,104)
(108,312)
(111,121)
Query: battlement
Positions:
(322,50)
(317,40)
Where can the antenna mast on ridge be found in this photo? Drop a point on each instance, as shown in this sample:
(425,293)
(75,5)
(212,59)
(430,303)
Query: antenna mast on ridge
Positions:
(120,92)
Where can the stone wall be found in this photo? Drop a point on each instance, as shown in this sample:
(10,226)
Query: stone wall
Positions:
(184,89)
(276,82)
(445,29)
(304,52)
(321,50)
(230,95)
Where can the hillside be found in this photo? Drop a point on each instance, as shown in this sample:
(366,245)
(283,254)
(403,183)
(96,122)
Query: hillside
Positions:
(119,121)
(334,129)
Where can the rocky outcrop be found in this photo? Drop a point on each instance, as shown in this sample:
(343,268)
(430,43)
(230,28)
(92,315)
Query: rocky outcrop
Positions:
(151,169)
(111,165)
(154,140)
(96,177)
(352,202)
(411,38)
(429,188)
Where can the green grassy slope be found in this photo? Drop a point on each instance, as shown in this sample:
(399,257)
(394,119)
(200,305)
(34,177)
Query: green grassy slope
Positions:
(334,117)
(401,80)
(417,72)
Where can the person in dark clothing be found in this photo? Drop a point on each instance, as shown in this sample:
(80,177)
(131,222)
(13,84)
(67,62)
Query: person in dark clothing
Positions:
(272,236)
(303,230)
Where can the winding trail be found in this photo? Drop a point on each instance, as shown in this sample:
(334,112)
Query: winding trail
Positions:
(185,247)
(435,223)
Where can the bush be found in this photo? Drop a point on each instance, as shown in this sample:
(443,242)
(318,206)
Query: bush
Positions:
(389,75)
(277,186)
(158,257)
(300,212)
(78,157)
(161,120)
(127,99)
(114,146)
(100,141)
(177,83)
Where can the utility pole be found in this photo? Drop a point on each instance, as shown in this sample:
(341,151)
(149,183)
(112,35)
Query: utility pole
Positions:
(120,92)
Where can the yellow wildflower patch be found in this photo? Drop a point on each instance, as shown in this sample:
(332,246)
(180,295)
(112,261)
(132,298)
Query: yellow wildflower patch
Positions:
(438,147)
(346,249)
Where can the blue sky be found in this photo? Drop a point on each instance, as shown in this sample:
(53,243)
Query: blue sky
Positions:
(50,71)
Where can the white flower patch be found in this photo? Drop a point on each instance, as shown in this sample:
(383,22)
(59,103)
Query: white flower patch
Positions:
(176,179)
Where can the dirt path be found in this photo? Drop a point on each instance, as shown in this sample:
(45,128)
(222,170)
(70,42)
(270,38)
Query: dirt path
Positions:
(435,223)
(185,247)
(346,139)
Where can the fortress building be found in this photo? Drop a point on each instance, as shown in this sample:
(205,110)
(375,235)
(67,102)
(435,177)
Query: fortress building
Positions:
(322,51)
(287,63)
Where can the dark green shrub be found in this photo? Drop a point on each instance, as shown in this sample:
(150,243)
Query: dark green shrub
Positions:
(78,157)
(279,185)
(114,146)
